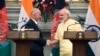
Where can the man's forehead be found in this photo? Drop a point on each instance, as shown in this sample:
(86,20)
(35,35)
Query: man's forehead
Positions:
(62,11)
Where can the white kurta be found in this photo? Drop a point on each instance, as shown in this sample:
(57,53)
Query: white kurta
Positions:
(65,44)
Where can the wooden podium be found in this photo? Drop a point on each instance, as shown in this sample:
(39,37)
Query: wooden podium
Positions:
(79,40)
(23,40)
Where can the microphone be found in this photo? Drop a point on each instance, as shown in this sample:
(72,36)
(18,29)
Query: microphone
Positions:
(72,25)
(14,25)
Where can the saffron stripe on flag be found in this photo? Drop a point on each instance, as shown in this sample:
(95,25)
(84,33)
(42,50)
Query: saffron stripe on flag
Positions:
(95,7)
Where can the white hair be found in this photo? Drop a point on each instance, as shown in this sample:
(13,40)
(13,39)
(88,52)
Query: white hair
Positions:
(34,11)
(68,12)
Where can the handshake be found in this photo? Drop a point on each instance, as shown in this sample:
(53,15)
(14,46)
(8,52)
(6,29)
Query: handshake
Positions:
(51,42)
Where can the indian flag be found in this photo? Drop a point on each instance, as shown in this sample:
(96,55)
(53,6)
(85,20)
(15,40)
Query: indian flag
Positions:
(93,18)
(26,8)
(60,4)
(3,21)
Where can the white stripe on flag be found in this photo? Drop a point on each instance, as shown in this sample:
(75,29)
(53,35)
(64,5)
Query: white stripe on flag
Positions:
(23,17)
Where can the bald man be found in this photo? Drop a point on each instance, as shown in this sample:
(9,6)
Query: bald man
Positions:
(36,47)
(65,44)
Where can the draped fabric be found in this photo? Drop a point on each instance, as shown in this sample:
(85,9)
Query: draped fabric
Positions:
(59,5)
(3,21)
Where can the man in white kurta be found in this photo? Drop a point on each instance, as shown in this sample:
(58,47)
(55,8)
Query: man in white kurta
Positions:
(65,44)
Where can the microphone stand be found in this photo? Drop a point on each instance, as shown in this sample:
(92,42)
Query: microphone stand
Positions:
(71,25)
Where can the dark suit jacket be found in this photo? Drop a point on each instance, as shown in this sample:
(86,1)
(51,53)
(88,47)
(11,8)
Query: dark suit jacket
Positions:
(36,45)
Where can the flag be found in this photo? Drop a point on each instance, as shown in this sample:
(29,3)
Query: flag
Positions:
(93,19)
(26,8)
(59,5)
(3,21)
